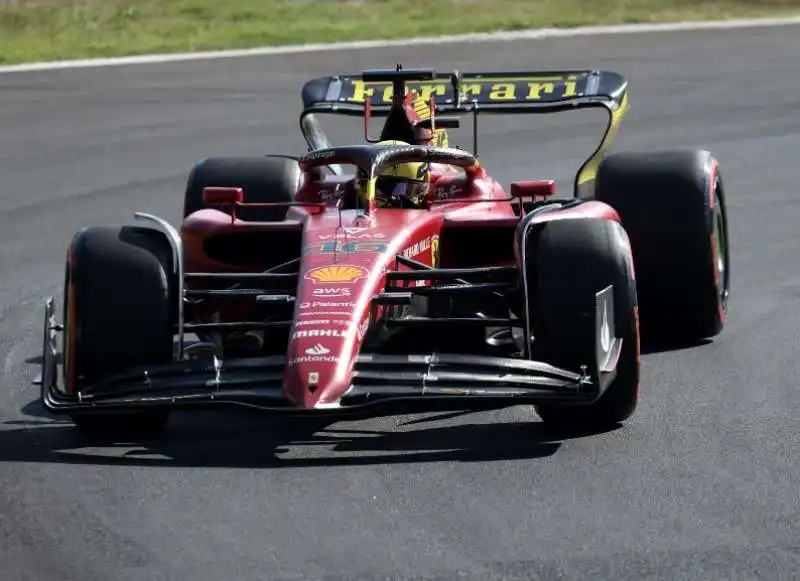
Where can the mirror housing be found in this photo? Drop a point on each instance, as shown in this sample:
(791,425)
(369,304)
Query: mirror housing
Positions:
(533,189)
(222,196)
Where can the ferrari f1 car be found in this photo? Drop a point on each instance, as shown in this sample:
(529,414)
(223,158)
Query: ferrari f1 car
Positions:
(281,291)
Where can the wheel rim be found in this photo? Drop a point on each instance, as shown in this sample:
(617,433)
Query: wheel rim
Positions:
(722,266)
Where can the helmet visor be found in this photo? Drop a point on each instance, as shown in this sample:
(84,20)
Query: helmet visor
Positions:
(399,192)
(392,191)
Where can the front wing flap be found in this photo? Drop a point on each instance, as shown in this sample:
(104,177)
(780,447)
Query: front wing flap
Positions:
(256,382)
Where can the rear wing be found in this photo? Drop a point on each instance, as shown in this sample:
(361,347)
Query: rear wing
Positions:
(495,92)
(372,93)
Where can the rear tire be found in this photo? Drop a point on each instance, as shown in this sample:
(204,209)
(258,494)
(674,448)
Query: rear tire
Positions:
(568,261)
(263,179)
(672,205)
(120,306)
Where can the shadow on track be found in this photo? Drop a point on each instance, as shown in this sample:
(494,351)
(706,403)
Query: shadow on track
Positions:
(246,440)
(651,345)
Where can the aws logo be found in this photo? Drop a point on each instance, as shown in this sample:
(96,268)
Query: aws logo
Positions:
(331,292)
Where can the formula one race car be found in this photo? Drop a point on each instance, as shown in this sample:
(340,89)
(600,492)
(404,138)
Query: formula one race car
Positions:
(293,286)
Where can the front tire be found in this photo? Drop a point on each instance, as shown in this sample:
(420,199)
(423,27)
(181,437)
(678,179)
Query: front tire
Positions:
(119,310)
(568,261)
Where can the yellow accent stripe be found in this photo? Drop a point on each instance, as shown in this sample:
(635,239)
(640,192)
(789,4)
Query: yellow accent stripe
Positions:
(589,171)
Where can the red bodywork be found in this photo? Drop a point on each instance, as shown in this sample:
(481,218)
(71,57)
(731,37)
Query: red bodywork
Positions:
(344,256)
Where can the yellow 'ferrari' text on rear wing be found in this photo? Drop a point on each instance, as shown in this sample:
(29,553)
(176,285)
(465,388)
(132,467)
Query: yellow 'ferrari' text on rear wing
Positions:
(499,91)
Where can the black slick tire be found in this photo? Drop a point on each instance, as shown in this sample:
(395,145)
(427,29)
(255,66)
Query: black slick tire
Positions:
(120,306)
(672,204)
(263,180)
(568,261)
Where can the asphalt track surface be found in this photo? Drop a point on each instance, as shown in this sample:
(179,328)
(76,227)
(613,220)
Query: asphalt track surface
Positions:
(700,484)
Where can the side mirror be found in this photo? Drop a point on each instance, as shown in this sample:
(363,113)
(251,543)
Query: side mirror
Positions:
(533,189)
(220,196)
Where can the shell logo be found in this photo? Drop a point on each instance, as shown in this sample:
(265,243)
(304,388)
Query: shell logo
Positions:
(337,273)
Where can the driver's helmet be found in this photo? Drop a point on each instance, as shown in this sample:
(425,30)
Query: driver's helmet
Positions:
(404,185)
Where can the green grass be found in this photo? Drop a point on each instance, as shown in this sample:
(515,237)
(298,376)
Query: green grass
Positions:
(37,30)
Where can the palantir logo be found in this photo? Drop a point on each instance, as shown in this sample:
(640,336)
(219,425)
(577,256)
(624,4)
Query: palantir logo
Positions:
(318,349)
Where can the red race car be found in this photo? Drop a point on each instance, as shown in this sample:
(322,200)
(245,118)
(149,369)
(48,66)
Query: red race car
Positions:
(411,280)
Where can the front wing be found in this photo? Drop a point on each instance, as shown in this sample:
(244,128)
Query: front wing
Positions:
(435,379)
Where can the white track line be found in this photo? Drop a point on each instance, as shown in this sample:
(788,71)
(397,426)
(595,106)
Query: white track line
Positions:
(450,39)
